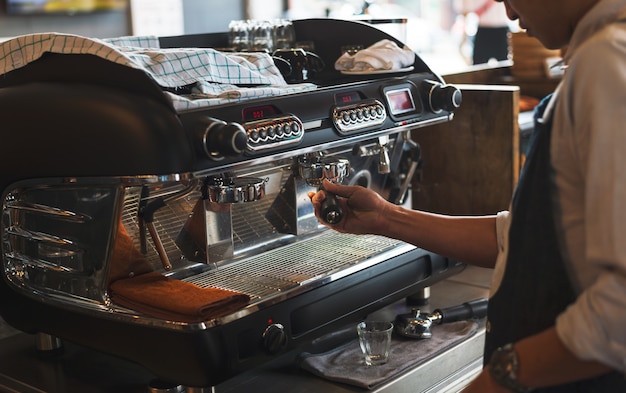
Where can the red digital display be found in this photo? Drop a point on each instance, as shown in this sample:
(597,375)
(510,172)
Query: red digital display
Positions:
(258,112)
(400,101)
(346,98)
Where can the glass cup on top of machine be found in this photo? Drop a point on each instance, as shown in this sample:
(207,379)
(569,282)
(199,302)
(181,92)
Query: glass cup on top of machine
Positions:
(277,38)
(261,35)
(375,341)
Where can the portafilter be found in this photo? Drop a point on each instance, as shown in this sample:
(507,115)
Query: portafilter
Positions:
(416,325)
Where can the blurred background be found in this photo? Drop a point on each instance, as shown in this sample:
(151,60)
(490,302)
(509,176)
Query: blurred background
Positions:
(438,30)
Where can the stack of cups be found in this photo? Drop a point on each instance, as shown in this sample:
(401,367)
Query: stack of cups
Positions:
(261,35)
(284,34)
(239,35)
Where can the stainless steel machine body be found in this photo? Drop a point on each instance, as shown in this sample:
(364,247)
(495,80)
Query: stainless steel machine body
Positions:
(95,166)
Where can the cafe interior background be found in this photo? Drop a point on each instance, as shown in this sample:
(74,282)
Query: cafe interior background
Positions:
(472,164)
(432,28)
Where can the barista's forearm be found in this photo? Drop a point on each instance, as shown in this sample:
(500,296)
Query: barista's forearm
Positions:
(464,238)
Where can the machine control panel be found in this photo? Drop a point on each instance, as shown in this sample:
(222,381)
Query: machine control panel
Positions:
(273,132)
(357,116)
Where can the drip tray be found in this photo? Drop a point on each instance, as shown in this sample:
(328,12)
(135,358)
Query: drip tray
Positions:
(300,264)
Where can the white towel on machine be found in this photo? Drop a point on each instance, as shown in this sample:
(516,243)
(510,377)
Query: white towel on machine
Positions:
(383,55)
(217,77)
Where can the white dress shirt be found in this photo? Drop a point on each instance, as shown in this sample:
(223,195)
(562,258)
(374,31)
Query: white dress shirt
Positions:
(588,157)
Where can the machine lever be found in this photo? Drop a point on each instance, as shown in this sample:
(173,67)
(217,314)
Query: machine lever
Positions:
(415,153)
(383,155)
(159,246)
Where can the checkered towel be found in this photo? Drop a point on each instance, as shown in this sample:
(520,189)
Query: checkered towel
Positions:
(216,77)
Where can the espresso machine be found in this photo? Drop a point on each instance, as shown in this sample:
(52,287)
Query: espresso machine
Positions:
(102,181)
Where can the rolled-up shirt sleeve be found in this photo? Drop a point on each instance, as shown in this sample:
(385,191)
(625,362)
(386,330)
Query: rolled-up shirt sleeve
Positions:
(503,224)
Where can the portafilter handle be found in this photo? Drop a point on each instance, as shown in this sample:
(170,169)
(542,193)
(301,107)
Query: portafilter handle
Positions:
(473,309)
(331,212)
(417,325)
(314,171)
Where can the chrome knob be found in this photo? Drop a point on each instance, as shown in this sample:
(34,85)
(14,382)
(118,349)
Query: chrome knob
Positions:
(275,338)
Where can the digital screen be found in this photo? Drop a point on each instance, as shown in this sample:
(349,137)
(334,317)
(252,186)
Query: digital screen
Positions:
(400,101)
(20,7)
(258,112)
(346,98)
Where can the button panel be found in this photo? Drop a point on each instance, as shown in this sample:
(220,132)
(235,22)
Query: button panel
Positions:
(273,132)
(353,117)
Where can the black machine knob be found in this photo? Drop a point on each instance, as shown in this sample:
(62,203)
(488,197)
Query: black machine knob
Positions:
(443,97)
(274,338)
(221,139)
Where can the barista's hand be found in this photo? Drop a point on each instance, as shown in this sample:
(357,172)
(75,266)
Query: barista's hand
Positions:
(363,209)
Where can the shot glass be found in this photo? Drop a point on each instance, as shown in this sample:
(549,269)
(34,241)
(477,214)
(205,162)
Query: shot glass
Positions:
(375,340)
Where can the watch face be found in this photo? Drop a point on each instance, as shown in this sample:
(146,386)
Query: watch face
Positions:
(503,368)
(500,363)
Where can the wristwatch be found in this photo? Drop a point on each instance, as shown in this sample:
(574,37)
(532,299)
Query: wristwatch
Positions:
(504,366)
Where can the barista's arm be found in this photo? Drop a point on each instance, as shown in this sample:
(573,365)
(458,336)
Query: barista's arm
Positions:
(470,239)
(464,238)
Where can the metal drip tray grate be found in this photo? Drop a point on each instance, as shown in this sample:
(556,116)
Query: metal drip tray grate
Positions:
(249,222)
(290,266)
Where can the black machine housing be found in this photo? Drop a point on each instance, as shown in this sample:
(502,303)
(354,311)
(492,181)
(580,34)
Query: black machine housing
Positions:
(77,119)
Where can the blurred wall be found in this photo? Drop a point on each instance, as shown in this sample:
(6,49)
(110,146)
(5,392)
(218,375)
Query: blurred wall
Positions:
(211,16)
(99,25)
(200,16)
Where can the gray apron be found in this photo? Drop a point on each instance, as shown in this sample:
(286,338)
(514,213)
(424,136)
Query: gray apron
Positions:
(535,286)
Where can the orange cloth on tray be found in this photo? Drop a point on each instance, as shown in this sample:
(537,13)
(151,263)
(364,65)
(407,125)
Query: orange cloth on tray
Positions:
(162,297)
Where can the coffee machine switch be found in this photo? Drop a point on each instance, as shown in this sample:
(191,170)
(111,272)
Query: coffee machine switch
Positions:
(221,139)
(274,338)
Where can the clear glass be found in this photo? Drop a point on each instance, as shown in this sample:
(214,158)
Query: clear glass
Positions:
(284,34)
(239,35)
(261,35)
(375,341)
